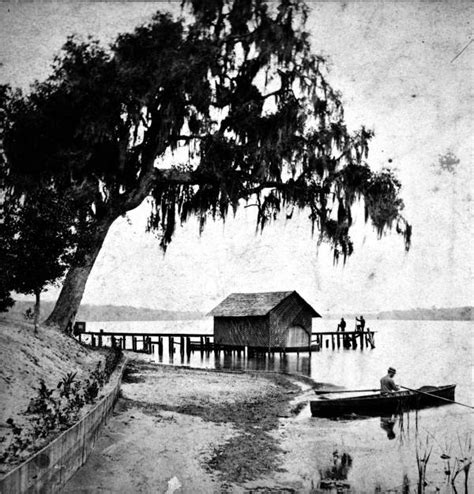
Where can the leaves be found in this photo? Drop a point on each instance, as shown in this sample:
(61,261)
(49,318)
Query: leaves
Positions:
(200,114)
(54,409)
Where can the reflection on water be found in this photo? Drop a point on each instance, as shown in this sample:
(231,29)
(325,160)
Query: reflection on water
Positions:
(387,424)
(338,470)
(297,364)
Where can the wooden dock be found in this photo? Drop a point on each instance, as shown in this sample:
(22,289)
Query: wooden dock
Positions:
(188,343)
(344,339)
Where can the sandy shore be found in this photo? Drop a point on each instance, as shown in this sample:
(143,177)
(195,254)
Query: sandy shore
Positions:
(189,431)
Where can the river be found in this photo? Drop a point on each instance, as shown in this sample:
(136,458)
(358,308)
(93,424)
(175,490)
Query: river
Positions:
(381,456)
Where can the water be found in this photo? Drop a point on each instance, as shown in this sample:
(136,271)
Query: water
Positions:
(423,352)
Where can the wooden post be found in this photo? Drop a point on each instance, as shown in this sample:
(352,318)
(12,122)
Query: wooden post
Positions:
(188,346)
(327,342)
(371,339)
(171,345)
(181,348)
(354,340)
(100,337)
(93,341)
(134,343)
(362,336)
(160,346)
(339,340)
(80,337)
(332,342)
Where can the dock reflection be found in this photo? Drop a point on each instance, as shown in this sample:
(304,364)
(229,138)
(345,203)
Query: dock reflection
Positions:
(289,363)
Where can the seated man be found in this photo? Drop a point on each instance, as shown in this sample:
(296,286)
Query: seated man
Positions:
(342,325)
(387,384)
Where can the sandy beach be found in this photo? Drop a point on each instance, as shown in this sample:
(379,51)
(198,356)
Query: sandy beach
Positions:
(186,430)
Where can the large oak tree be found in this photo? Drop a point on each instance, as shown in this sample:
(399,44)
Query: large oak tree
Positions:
(199,114)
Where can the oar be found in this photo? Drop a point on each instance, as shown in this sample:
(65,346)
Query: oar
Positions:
(327,391)
(435,396)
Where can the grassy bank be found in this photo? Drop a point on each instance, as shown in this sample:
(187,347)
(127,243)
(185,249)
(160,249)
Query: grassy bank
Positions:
(48,381)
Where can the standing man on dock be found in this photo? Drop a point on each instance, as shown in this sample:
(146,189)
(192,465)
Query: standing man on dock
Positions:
(387,384)
(342,325)
(360,327)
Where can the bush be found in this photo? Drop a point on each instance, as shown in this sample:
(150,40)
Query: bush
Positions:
(55,409)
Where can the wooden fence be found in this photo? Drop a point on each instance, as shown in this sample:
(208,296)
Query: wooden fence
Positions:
(50,468)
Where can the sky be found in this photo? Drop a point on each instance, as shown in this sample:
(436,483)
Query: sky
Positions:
(405,70)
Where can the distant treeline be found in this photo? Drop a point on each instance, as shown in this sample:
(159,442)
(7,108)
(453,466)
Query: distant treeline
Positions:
(126,313)
(435,314)
(110,312)
(448,314)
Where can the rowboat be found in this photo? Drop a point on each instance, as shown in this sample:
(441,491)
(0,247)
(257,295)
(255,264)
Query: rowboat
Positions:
(378,404)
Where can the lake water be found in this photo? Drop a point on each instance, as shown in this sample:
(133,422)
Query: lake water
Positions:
(423,352)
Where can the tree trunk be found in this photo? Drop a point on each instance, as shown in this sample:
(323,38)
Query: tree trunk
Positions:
(37,309)
(74,285)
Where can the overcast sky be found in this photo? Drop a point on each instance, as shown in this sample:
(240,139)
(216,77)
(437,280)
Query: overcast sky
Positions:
(405,70)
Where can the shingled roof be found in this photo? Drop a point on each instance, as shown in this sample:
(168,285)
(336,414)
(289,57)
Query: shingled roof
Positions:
(253,304)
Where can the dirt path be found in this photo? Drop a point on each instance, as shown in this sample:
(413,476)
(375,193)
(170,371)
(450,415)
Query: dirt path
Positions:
(190,431)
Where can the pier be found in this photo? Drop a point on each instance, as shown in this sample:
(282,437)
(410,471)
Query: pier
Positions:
(344,339)
(187,343)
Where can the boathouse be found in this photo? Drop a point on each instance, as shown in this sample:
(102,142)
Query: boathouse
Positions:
(270,321)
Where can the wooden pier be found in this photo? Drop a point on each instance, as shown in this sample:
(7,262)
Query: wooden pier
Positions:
(344,339)
(188,343)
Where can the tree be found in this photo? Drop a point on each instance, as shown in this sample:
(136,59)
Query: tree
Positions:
(199,116)
(6,272)
(41,239)
(6,301)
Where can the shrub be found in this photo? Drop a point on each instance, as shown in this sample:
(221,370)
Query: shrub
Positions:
(52,410)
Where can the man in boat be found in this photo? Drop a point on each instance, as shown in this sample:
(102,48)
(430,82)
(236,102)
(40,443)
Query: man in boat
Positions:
(342,325)
(387,384)
(360,327)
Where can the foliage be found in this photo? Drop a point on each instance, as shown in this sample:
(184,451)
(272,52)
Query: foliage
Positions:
(40,232)
(200,116)
(29,314)
(42,235)
(37,230)
(55,409)
(6,300)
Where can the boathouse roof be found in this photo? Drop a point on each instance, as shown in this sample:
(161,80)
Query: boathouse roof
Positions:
(255,304)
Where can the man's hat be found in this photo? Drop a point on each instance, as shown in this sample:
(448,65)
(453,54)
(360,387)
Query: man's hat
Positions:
(391,369)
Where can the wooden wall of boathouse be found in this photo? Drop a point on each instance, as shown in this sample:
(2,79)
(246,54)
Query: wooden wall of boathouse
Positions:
(290,323)
(242,331)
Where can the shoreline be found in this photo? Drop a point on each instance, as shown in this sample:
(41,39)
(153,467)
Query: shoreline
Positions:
(206,430)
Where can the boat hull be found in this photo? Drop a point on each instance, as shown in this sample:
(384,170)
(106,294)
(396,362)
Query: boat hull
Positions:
(377,404)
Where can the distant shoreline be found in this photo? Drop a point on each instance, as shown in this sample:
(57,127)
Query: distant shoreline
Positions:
(104,313)
(441,314)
